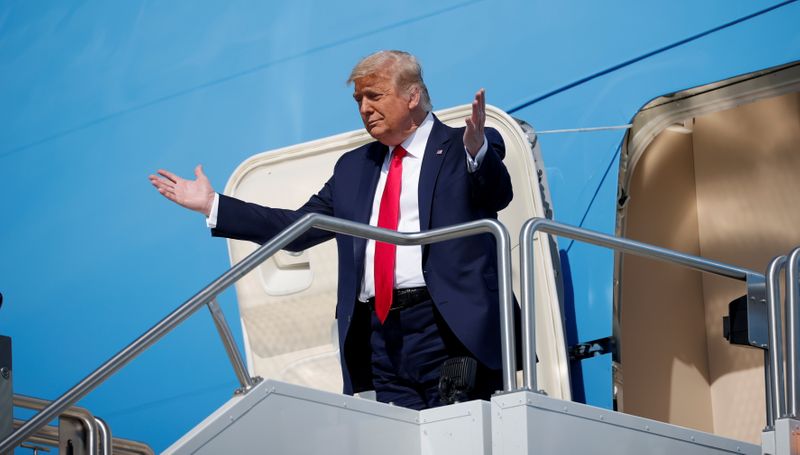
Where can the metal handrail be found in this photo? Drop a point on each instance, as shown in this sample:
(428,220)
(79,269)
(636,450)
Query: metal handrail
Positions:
(774,368)
(106,446)
(129,447)
(48,435)
(231,349)
(783,384)
(792,331)
(247,264)
(534,225)
(102,443)
(82,415)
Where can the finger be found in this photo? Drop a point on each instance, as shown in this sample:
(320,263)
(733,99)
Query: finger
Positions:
(198,171)
(167,193)
(482,106)
(155,178)
(169,175)
(162,185)
(470,128)
(481,101)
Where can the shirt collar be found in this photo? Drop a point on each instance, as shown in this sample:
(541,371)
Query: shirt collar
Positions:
(415,144)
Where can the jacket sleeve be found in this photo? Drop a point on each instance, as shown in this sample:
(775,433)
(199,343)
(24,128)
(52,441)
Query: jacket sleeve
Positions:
(241,220)
(491,184)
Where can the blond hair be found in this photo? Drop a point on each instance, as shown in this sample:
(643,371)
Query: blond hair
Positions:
(404,67)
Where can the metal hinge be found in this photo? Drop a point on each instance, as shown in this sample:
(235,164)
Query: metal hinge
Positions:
(593,348)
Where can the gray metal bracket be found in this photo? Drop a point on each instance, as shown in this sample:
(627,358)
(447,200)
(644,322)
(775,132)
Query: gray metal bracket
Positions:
(72,437)
(757,321)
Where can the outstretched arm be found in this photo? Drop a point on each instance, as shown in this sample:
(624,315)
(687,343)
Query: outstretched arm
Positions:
(197,195)
(238,219)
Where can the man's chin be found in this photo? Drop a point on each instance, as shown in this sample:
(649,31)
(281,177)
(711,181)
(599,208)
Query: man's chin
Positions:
(383,136)
(377,133)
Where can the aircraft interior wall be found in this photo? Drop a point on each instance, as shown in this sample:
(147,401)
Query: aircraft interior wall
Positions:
(723,186)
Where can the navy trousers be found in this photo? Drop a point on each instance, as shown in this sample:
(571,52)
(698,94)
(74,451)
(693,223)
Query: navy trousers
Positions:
(408,350)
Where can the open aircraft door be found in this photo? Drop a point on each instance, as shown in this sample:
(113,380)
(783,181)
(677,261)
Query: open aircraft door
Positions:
(287,304)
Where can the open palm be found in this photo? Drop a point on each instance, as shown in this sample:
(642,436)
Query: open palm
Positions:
(197,195)
(473,134)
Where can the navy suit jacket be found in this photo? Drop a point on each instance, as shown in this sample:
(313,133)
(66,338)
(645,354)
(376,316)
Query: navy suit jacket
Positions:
(461,274)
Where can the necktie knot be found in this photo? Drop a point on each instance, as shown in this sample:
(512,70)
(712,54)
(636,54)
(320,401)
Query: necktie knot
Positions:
(398,153)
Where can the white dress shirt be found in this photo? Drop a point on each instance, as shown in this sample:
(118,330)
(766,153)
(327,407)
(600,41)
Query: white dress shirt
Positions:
(408,264)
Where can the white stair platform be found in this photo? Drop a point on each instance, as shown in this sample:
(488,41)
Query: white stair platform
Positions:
(276,417)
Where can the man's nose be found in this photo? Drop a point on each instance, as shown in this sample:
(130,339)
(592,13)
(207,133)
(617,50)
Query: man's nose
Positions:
(365,107)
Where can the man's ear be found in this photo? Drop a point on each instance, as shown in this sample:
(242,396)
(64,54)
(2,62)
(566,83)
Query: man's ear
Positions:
(414,97)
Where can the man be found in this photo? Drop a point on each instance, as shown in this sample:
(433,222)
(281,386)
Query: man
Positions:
(402,311)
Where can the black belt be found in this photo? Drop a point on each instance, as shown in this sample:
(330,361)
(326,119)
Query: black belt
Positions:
(404,298)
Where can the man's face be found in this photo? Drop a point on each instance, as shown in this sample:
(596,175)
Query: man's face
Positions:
(385,110)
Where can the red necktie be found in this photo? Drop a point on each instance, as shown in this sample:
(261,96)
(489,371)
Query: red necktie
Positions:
(388,216)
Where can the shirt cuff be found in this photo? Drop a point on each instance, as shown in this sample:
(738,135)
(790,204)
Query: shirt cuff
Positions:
(211,221)
(474,163)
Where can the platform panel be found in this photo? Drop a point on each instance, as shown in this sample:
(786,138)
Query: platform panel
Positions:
(462,428)
(276,417)
(526,422)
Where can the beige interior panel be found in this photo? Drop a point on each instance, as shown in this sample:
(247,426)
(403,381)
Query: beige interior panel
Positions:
(287,304)
(663,344)
(723,189)
(747,199)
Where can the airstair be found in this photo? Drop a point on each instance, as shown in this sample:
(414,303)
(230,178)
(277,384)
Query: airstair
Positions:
(533,415)
(274,417)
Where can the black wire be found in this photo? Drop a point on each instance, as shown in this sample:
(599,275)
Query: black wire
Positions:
(647,55)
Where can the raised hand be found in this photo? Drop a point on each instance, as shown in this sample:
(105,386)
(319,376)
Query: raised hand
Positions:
(197,195)
(473,135)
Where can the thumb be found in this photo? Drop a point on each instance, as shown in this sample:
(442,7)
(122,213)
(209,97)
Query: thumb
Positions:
(198,171)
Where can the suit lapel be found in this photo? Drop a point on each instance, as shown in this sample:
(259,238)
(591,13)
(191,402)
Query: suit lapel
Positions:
(364,198)
(435,152)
